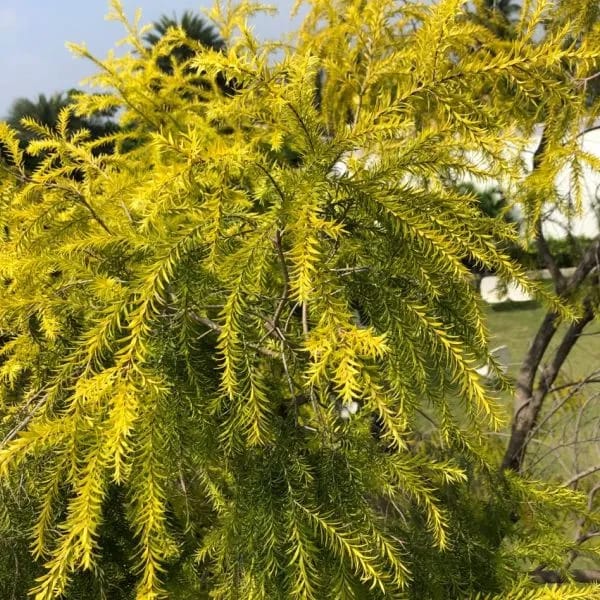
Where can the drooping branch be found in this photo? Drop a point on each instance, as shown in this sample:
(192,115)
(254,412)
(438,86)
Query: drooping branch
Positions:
(286,282)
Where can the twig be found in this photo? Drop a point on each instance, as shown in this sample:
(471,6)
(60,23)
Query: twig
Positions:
(541,575)
(20,426)
(82,200)
(581,537)
(592,378)
(286,281)
(289,318)
(426,416)
(584,80)
(217,329)
(587,536)
(305,318)
(303,125)
(290,385)
(575,442)
(577,477)
(578,386)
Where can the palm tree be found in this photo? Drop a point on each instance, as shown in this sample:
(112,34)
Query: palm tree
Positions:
(508,8)
(497,15)
(45,110)
(195,29)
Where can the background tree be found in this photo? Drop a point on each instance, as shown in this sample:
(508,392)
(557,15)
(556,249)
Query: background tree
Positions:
(191,30)
(500,16)
(31,118)
(543,426)
(183,334)
(193,26)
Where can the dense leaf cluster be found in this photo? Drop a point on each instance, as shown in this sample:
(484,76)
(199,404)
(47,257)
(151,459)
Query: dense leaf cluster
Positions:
(187,317)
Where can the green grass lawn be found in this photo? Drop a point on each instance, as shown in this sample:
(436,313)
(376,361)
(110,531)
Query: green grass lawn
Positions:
(569,441)
(515,325)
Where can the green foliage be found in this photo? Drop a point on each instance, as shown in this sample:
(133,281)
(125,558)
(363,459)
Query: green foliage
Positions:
(17,571)
(188,317)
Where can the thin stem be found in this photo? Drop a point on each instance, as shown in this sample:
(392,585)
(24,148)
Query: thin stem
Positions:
(217,329)
(578,476)
(23,423)
(286,281)
(305,329)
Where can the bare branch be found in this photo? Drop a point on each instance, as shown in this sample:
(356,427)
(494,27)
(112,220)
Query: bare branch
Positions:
(577,387)
(305,318)
(582,474)
(531,401)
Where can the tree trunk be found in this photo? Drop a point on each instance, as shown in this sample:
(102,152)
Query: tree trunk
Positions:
(531,389)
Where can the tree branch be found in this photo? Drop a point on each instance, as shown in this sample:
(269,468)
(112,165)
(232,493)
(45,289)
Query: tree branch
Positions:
(541,575)
(529,401)
(217,329)
(581,475)
(549,262)
(286,281)
(41,398)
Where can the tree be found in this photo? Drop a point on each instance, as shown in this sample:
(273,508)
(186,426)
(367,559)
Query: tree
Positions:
(191,31)
(194,28)
(499,16)
(544,400)
(271,367)
(44,110)
(553,417)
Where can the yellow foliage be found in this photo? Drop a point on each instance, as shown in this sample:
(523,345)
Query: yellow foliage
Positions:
(197,306)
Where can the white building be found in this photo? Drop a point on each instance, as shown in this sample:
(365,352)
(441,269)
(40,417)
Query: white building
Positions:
(555,224)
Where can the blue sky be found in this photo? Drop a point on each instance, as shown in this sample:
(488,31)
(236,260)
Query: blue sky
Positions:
(33,57)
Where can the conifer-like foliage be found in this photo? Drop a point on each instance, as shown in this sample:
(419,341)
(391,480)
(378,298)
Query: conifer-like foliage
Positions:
(229,329)
(46,111)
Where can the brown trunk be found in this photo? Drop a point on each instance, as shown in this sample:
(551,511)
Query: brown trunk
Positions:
(529,395)
(526,410)
(529,400)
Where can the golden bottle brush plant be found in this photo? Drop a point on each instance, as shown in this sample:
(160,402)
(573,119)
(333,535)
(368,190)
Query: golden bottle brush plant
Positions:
(237,316)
